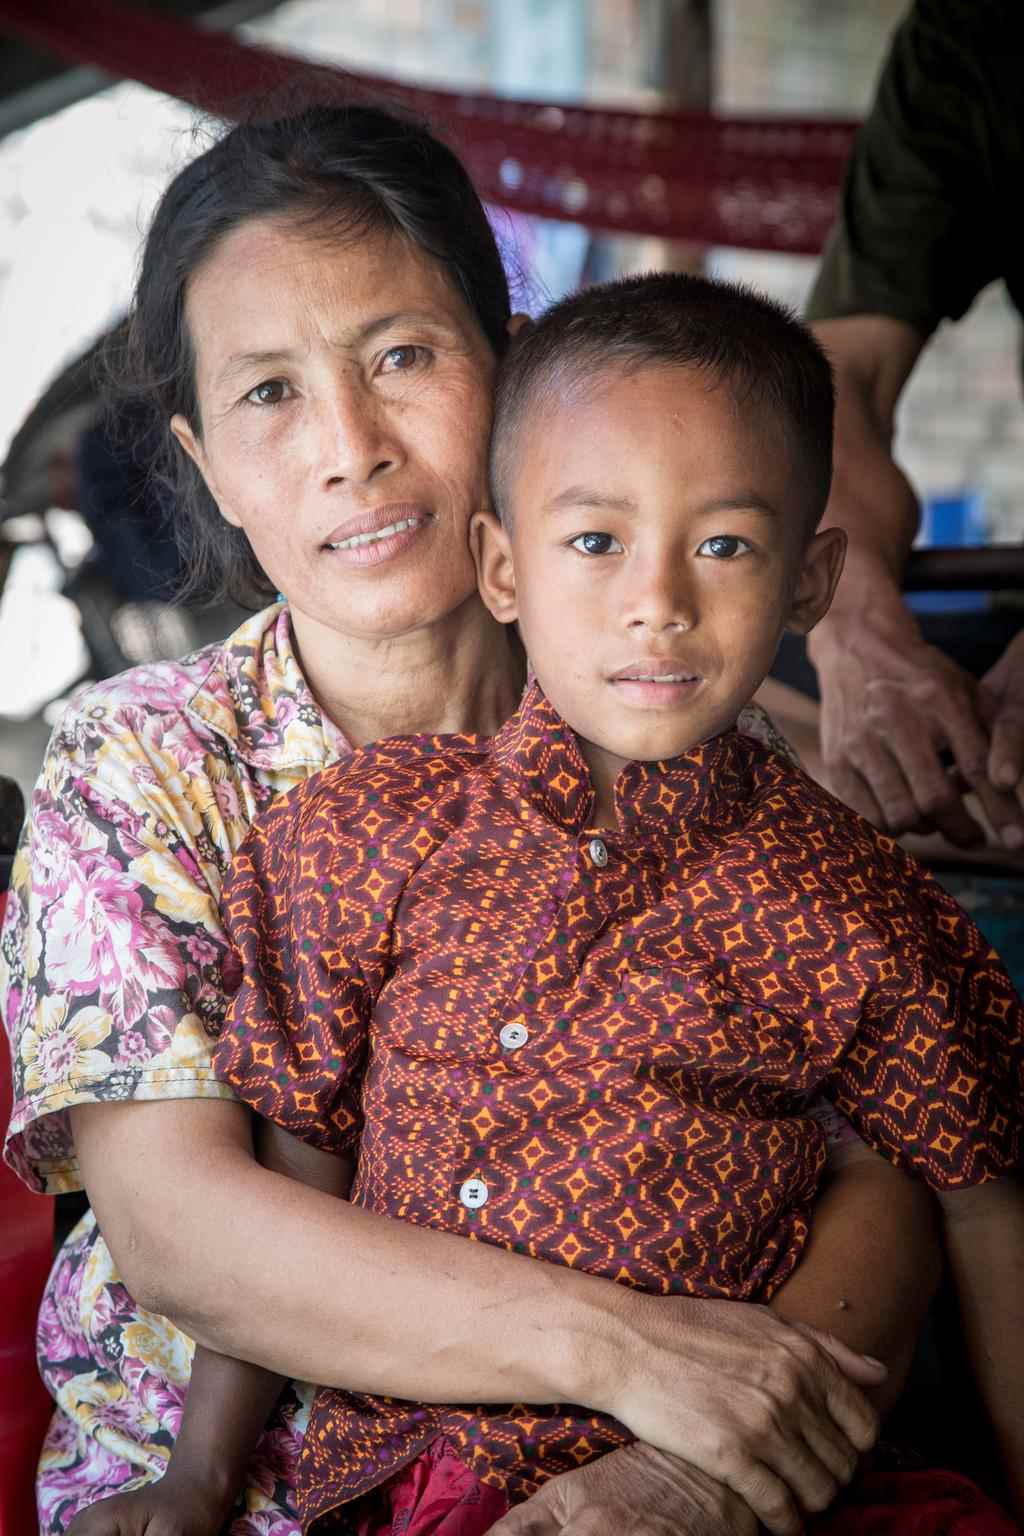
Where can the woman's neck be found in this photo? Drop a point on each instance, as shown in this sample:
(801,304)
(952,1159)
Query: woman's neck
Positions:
(465,673)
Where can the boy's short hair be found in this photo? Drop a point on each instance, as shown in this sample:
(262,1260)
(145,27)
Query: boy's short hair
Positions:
(739,337)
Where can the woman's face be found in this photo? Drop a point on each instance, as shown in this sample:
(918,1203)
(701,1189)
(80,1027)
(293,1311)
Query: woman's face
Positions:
(345,400)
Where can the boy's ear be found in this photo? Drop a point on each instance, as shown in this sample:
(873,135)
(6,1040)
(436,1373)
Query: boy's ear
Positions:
(515,322)
(819,575)
(495,572)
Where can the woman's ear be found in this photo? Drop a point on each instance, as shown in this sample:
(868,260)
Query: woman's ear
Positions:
(193,446)
(819,576)
(495,570)
(516,323)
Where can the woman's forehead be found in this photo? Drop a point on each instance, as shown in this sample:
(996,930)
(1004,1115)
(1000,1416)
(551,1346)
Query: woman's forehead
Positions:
(270,287)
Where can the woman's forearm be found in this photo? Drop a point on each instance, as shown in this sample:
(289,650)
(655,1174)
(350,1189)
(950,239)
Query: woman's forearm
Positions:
(871,1266)
(254,1265)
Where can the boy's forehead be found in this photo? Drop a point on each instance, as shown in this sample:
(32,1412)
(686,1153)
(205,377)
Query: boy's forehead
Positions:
(616,429)
(593,414)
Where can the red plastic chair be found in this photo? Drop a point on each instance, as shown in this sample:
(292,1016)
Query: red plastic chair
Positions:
(26,1252)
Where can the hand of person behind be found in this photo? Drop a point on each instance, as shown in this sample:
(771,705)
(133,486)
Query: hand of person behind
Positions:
(906,733)
(636,1491)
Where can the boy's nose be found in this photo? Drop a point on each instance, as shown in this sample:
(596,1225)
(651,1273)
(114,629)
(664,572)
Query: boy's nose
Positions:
(661,599)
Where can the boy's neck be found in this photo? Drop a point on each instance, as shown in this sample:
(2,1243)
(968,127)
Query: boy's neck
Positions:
(605,768)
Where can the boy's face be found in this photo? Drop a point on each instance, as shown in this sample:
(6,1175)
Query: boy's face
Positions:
(656,551)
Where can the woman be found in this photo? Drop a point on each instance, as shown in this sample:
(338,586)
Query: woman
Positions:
(319,311)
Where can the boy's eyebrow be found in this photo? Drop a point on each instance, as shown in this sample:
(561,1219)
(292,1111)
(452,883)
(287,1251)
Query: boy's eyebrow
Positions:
(585,496)
(745,501)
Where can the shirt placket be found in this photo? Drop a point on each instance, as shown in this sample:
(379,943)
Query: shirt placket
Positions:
(517,1027)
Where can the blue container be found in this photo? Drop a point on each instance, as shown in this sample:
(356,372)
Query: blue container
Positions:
(956,521)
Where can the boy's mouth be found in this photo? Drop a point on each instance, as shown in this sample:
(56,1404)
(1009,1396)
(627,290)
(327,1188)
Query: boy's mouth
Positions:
(654,684)
(654,672)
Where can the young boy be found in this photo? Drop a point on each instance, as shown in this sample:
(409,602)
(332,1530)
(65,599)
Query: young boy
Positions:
(575,989)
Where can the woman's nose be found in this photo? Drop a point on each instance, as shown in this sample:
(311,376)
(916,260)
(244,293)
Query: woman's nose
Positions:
(356,440)
(661,596)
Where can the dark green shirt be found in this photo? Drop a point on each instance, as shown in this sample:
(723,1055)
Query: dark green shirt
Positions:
(933,199)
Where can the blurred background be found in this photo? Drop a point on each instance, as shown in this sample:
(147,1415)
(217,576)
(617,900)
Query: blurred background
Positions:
(82,160)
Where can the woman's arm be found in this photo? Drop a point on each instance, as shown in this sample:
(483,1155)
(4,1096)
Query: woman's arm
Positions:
(732,1388)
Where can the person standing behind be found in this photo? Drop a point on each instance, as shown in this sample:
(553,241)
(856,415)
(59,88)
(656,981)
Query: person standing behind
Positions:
(924,227)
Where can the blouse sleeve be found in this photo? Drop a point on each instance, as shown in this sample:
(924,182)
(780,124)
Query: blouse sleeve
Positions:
(111,977)
(294,1043)
(934,1074)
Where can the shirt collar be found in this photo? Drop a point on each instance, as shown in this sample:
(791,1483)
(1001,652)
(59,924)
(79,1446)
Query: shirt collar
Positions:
(256,699)
(703,788)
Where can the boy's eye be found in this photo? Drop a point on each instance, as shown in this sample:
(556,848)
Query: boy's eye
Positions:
(597,544)
(724,546)
(270,392)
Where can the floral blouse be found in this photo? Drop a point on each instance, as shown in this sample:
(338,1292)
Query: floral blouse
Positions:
(114,977)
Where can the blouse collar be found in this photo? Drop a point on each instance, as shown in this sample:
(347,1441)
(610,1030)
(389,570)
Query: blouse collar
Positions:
(256,699)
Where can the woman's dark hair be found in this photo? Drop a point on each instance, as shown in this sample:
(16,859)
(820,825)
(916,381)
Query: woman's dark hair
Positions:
(339,171)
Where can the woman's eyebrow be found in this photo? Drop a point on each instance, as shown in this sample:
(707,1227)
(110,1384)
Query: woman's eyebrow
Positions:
(402,317)
(241,362)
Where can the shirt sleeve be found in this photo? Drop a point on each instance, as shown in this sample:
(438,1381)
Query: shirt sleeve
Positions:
(294,1044)
(934,1075)
(922,226)
(111,976)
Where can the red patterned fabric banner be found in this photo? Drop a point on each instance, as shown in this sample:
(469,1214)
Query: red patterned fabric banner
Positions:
(761,183)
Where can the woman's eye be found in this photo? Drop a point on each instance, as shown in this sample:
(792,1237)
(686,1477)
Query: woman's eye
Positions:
(401,359)
(597,544)
(270,392)
(724,546)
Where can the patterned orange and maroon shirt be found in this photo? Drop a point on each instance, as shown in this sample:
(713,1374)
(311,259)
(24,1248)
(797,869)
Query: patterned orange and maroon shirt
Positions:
(598,1046)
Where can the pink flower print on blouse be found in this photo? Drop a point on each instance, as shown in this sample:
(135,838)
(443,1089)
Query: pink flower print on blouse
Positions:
(101,940)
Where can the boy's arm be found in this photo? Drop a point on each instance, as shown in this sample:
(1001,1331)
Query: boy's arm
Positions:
(983,1229)
(229,1401)
(872,1263)
(228,1404)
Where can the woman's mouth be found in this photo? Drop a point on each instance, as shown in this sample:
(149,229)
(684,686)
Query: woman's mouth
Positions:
(377,536)
(359,539)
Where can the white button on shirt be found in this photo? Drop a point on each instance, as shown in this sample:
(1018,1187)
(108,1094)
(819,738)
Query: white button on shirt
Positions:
(473,1194)
(598,852)
(512,1036)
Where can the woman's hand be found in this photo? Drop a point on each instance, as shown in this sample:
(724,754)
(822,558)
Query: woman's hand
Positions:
(637,1491)
(171,1507)
(768,1408)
